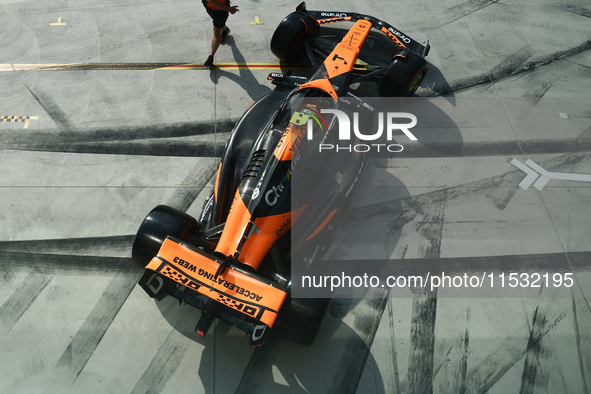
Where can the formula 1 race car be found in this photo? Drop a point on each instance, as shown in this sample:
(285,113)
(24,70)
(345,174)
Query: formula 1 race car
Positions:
(237,262)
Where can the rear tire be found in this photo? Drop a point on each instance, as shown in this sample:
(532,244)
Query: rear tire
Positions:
(403,76)
(300,319)
(287,42)
(303,319)
(161,222)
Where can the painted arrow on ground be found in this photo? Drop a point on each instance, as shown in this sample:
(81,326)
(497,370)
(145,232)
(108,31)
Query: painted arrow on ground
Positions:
(534,172)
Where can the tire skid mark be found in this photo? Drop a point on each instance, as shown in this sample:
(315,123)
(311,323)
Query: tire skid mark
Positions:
(64,264)
(454,380)
(531,369)
(441,355)
(574,9)
(585,136)
(392,386)
(68,133)
(499,188)
(254,377)
(539,359)
(71,135)
(88,337)
(493,148)
(158,148)
(508,68)
(424,308)
(194,182)
(159,145)
(52,109)
(420,360)
(36,364)
(464,362)
(462,10)
(493,367)
(21,299)
(168,358)
(528,263)
(80,246)
(583,343)
(540,89)
(209,148)
(163,365)
(502,70)
(93,265)
(368,315)
(150,140)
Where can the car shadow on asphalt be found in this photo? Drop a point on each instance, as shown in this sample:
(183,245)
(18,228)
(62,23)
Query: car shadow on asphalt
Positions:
(245,78)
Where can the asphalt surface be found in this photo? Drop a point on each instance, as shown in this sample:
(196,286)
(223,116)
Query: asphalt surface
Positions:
(121,118)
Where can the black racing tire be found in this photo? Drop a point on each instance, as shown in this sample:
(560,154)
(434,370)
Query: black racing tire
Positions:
(403,76)
(300,319)
(161,222)
(288,41)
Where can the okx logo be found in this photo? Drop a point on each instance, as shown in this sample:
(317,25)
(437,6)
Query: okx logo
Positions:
(350,130)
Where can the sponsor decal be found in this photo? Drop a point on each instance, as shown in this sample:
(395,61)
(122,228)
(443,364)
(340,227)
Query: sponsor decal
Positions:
(185,264)
(398,34)
(283,226)
(294,162)
(333,14)
(239,306)
(256,192)
(272,195)
(179,277)
(229,285)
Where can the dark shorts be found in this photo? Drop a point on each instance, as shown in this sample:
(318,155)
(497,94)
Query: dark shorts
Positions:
(219,17)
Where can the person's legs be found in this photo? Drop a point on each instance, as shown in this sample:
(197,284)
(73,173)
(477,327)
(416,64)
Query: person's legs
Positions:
(219,27)
(225,33)
(217,40)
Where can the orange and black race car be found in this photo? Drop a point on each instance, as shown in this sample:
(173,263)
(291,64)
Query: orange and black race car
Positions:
(276,195)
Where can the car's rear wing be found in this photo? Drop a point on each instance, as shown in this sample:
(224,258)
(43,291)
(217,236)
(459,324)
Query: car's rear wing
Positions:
(401,40)
(242,291)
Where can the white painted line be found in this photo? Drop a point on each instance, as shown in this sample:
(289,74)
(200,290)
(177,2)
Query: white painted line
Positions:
(531,175)
(563,115)
(545,176)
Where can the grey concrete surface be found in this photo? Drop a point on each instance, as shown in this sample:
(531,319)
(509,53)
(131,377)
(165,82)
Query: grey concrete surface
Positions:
(123,132)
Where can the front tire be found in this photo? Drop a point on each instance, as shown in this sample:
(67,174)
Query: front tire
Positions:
(403,76)
(288,41)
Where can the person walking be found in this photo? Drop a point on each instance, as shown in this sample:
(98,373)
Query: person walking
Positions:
(219,11)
